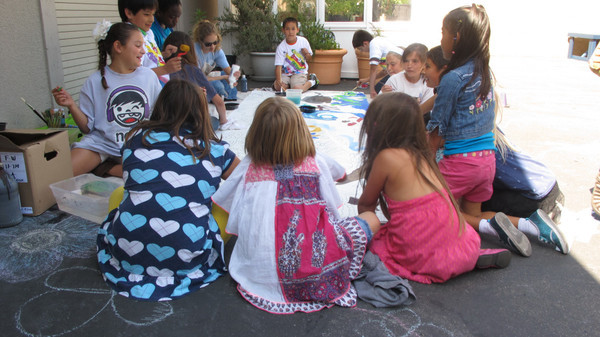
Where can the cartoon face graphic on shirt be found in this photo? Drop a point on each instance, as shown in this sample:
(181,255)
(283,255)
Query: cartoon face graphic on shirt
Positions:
(127,106)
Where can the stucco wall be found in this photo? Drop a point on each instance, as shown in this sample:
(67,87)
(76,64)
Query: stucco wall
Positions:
(23,63)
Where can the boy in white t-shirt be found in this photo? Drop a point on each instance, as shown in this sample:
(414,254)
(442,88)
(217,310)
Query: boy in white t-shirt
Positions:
(378,47)
(291,57)
(141,15)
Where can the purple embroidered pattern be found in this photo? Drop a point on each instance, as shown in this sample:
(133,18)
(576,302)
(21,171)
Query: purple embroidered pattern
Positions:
(289,254)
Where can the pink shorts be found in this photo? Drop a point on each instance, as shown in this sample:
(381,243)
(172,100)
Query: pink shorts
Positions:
(470,175)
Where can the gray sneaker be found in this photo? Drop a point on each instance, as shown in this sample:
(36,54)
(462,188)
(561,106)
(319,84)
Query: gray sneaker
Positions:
(510,235)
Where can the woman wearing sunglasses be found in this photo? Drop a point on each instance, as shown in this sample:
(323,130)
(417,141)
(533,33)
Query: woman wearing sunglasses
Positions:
(207,43)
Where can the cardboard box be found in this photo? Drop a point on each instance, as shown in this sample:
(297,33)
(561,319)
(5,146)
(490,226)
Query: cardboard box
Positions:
(36,158)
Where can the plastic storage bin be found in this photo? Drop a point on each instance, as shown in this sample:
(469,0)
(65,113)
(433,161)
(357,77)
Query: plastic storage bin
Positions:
(85,195)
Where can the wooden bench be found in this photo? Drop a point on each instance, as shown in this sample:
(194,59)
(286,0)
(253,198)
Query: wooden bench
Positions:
(581,46)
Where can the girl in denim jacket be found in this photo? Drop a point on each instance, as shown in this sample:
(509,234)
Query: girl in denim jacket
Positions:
(463,120)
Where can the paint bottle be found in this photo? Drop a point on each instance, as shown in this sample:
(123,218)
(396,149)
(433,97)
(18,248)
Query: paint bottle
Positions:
(244,83)
(10,201)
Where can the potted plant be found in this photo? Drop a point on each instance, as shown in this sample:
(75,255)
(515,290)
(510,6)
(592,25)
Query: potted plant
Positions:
(327,56)
(258,32)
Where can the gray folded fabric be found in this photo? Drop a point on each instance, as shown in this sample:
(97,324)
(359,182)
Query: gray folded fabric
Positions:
(377,286)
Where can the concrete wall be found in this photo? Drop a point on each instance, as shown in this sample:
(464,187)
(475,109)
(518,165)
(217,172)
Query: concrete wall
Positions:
(23,65)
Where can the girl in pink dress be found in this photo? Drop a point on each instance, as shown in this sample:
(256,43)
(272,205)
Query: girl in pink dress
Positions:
(426,239)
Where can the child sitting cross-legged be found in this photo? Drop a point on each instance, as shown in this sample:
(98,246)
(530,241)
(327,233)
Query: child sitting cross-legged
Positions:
(163,242)
(293,251)
(291,57)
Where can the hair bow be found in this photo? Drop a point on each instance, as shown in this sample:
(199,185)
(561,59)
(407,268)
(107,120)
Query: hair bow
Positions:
(101,30)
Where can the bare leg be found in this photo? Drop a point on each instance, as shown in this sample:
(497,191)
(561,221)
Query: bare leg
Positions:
(116,171)
(84,161)
(306,86)
(217,100)
(279,87)
(473,214)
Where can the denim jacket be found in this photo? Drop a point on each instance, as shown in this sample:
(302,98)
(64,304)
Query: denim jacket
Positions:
(458,113)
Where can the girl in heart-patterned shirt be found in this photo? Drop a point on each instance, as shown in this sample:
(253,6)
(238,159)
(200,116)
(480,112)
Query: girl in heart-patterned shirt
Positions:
(162,242)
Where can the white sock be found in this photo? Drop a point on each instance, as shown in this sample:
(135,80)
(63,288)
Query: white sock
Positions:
(312,83)
(486,228)
(528,227)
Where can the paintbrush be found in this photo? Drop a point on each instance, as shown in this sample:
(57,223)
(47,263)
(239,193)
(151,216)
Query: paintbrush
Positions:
(35,111)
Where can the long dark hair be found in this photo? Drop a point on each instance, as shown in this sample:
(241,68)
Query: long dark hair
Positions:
(394,120)
(436,54)
(472,25)
(121,32)
(177,38)
(181,104)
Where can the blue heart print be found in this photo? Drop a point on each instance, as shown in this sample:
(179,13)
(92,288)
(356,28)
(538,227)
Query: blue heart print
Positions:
(217,150)
(214,274)
(155,137)
(184,272)
(193,232)
(169,203)
(126,153)
(182,288)
(103,257)
(206,189)
(207,244)
(142,176)
(113,279)
(212,224)
(227,163)
(134,269)
(132,221)
(160,253)
(144,291)
(181,159)
(111,238)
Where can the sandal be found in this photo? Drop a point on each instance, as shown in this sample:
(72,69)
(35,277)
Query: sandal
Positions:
(596,196)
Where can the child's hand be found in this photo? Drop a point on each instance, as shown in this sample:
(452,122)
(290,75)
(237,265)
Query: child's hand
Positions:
(62,97)
(362,81)
(305,52)
(173,65)
(170,50)
(387,88)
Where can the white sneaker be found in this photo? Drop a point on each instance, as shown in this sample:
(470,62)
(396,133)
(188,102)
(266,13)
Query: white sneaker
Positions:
(230,125)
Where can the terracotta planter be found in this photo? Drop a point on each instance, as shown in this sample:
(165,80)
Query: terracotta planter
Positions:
(327,65)
(362,59)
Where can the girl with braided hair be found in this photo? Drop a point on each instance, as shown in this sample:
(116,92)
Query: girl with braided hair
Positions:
(112,100)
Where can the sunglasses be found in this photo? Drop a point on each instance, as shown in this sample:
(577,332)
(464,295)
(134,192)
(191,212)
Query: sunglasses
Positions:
(208,44)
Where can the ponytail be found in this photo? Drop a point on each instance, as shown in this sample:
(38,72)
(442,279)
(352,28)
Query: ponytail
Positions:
(120,31)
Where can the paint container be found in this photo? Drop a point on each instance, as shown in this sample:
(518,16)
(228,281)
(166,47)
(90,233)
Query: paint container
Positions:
(10,201)
(307,109)
(294,95)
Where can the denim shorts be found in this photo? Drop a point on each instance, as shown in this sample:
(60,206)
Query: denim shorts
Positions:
(365,226)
